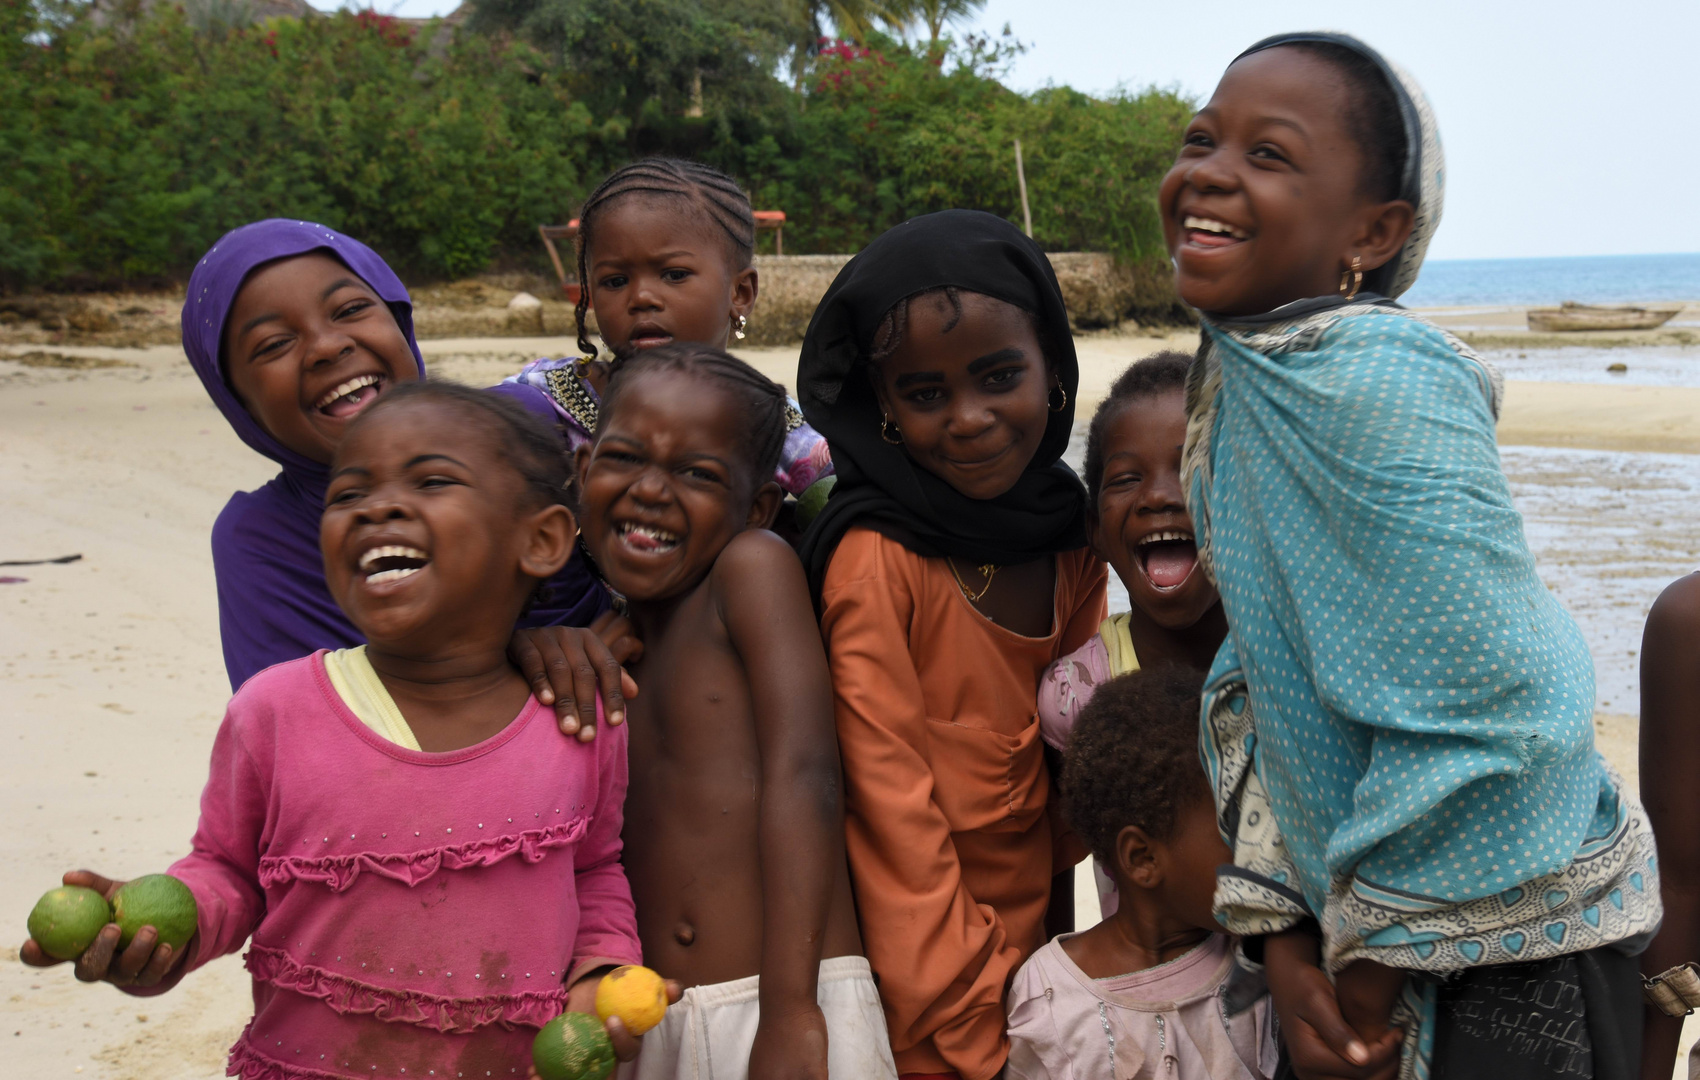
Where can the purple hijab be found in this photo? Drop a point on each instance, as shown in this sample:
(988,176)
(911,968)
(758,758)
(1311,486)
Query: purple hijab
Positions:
(273,604)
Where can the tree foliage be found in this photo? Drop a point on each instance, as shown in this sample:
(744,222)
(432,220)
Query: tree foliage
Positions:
(134,142)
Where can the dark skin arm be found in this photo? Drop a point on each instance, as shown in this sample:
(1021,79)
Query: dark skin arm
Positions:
(1670,757)
(763,599)
(1322,1043)
(566,665)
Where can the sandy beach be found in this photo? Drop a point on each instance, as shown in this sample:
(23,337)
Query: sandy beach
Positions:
(113,682)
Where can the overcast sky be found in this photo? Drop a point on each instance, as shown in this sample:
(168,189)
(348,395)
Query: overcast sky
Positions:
(1570,128)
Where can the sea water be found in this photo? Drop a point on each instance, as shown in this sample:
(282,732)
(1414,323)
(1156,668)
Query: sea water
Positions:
(1589,279)
(1608,529)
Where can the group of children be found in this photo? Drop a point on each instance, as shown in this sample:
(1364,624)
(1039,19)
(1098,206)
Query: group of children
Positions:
(1335,766)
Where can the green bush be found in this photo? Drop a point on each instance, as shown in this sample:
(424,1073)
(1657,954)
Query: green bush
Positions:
(135,142)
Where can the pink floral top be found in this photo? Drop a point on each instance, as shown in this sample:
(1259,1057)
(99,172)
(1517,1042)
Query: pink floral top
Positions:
(413,914)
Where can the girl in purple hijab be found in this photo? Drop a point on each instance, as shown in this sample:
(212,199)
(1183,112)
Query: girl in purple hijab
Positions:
(295,328)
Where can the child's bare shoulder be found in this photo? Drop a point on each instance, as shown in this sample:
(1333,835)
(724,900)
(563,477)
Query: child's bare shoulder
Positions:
(757,562)
(1677,610)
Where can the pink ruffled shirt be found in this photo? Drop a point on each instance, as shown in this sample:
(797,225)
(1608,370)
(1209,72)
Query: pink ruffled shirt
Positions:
(413,914)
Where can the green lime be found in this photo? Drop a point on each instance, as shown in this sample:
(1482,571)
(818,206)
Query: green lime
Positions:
(66,920)
(813,500)
(159,901)
(573,1046)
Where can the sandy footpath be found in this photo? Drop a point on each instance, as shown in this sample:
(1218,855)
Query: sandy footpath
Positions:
(111,682)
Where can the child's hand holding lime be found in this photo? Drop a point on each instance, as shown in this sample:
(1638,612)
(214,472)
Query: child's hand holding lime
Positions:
(615,995)
(128,951)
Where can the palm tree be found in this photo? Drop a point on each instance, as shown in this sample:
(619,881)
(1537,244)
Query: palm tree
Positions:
(852,19)
(935,15)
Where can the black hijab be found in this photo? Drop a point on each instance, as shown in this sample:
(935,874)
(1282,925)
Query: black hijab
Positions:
(879,485)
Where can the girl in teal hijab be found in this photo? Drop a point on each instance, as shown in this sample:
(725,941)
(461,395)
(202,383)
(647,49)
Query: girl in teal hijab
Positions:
(1399,724)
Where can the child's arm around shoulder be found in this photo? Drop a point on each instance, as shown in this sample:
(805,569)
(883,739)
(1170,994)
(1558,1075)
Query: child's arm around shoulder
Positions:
(763,600)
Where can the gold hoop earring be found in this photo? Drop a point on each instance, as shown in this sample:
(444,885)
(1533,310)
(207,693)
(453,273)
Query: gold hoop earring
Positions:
(885,423)
(738,325)
(1061,405)
(1352,280)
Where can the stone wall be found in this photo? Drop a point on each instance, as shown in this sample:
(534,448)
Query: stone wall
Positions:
(1098,290)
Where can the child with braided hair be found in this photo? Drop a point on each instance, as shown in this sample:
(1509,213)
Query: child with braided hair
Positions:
(664,254)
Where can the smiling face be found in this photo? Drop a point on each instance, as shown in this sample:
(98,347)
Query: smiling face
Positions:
(1139,524)
(971,400)
(430,536)
(667,484)
(660,272)
(1265,203)
(307,346)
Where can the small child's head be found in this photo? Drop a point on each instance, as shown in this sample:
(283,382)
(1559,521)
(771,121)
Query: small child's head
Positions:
(1300,177)
(294,329)
(664,250)
(446,510)
(686,443)
(1136,509)
(964,383)
(1136,792)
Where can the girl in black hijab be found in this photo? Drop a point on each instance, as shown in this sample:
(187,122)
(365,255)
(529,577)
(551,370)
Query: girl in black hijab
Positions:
(952,570)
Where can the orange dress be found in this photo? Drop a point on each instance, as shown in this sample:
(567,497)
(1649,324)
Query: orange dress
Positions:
(949,841)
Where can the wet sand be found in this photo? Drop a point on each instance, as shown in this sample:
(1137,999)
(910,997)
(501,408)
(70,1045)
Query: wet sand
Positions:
(114,686)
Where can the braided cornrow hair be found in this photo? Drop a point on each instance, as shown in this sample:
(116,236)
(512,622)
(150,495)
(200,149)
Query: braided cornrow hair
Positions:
(712,191)
(762,400)
(891,329)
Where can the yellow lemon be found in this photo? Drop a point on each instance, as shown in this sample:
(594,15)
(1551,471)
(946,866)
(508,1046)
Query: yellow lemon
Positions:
(637,995)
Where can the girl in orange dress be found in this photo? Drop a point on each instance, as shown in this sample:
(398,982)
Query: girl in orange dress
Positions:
(951,569)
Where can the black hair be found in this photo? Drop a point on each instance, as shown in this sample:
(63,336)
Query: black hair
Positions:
(1373,116)
(1155,374)
(532,449)
(1133,757)
(761,399)
(888,336)
(711,191)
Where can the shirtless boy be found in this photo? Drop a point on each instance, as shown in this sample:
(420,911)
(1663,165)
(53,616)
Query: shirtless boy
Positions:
(734,841)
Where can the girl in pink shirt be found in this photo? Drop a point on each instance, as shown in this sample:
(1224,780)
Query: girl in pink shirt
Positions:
(427,870)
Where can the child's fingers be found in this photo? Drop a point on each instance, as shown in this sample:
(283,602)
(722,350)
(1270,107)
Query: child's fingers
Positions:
(610,679)
(617,632)
(525,655)
(88,879)
(675,991)
(30,953)
(96,960)
(626,1045)
(130,963)
(158,966)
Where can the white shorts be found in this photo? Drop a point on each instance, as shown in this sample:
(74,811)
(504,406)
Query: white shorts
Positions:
(708,1034)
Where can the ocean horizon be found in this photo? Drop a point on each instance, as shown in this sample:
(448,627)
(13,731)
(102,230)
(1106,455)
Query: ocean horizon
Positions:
(1588,279)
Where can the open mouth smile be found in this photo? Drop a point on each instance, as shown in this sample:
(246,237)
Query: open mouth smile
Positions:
(392,562)
(1167,558)
(647,539)
(1207,232)
(348,398)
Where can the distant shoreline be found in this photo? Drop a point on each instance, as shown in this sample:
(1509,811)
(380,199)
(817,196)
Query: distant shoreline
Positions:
(1547,281)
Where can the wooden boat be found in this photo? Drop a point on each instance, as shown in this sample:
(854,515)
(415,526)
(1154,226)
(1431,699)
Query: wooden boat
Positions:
(1574,316)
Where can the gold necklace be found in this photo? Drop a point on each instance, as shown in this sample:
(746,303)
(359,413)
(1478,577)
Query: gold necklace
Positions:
(989,571)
